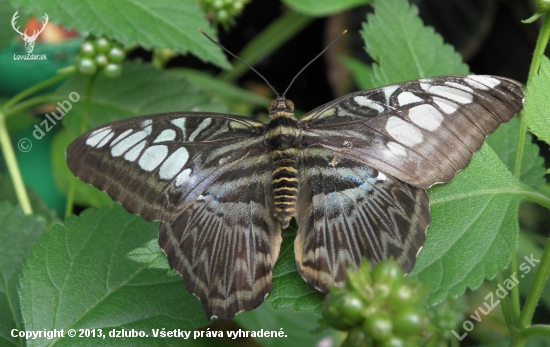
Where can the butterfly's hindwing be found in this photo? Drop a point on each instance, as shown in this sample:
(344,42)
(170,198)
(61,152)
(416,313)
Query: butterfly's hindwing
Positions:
(421,132)
(226,242)
(347,211)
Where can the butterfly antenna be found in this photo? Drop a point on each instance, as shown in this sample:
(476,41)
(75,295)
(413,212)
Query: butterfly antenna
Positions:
(239,59)
(312,60)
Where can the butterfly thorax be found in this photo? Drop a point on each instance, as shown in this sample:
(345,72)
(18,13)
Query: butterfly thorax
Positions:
(282,138)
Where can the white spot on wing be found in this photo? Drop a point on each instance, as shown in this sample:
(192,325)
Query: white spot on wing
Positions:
(454,94)
(166,135)
(447,106)
(180,123)
(97,135)
(403,131)
(146,122)
(364,101)
(418,252)
(388,92)
(174,164)
(130,141)
(152,157)
(120,137)
(206,122)
(406,98)
(397,149)
(183,177)
(133,153)
(482,82)
(105,139)
(426,116)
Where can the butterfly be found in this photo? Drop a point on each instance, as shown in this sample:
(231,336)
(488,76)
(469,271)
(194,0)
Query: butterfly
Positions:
(352,172)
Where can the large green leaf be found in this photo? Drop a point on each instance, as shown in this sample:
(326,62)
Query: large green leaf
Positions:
(297,327)
(403,48)
(316,8)
(150,23)
(504,142)
(537,102)
(78,277)
(141,89)
(474,227)
(6,31)
(18,233)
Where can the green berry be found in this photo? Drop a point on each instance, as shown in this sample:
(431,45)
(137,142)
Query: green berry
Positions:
(351,307)
(379,327)
(331,311)
(387,271)
(101,60)
(87,49)
(404,294)
(395,342)
(86,66)
(112,70)
(409,322)
(116,55)
(102,45)
(543,5)
(222,15)
(357,338)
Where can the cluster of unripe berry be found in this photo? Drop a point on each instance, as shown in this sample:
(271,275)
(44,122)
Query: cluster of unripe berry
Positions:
(379,308)
(100,54)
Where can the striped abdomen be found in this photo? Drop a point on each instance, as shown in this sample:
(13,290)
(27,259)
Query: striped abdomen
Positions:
(285,183)
(281,138)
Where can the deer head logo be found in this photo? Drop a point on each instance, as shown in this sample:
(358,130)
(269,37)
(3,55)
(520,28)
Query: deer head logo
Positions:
(29,40)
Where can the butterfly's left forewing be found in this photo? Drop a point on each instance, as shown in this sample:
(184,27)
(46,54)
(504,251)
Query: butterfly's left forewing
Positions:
(207,178)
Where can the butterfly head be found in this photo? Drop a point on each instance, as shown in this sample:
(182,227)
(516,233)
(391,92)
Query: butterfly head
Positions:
(281,107)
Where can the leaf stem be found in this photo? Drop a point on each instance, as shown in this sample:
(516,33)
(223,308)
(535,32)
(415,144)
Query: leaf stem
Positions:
(83,120)
(13,167)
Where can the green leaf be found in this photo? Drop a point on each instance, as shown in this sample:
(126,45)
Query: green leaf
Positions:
(151,24)
(18,233)
(39,207)
(289,289)
(141,89)
(84,194)
(323,8)
(78,277)
(537,102)
(474,227)
(403,48)
(297,326)
(152,255)
(504,143)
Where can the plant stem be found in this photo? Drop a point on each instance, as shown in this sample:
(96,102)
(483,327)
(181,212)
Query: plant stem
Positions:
(540,47)
(536,290)
(13,167)
(83,120)
(34,101)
